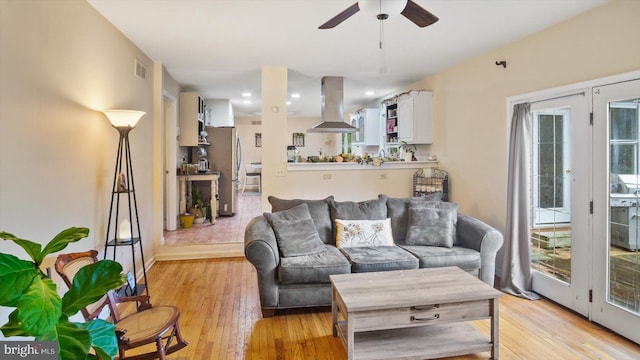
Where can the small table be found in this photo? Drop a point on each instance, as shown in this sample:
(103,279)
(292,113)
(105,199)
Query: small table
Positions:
(413,314)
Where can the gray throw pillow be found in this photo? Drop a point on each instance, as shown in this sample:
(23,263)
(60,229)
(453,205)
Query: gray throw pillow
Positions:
(297,212)
(439,205)
(398,211)
(319,210)
(431,226)
(297,237)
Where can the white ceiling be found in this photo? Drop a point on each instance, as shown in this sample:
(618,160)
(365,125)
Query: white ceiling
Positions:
(218,47)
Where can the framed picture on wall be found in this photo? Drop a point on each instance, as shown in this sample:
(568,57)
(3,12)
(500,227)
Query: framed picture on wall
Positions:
(258,139)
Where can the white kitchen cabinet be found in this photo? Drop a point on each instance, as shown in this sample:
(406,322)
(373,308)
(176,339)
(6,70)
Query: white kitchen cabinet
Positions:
(415,121)
(368,123)
(191,119)
(220,113)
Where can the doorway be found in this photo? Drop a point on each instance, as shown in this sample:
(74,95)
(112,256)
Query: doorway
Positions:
(559,192)
(616,245)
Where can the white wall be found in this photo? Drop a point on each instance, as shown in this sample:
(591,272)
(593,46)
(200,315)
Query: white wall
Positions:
(61,63)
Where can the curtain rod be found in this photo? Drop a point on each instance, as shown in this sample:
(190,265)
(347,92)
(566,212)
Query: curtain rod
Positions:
(557,97)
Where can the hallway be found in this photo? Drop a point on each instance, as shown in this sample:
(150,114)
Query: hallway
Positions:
(226,229)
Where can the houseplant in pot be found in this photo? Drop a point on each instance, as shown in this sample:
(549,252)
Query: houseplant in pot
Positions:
(42,314)
(409,151)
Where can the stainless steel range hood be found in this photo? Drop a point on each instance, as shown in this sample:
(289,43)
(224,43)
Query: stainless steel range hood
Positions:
(332,108)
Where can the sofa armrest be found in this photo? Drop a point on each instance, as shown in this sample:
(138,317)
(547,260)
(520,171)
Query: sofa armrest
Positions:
(475,234)
(261,249)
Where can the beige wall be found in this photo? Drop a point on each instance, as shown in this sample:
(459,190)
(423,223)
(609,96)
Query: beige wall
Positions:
(60,64)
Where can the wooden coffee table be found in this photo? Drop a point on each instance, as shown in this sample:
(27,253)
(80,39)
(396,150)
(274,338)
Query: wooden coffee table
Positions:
(413,314)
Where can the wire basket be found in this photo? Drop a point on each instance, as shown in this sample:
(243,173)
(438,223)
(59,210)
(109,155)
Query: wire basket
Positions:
(429,181)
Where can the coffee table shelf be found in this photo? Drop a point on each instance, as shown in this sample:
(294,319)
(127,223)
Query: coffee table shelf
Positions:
(409,343)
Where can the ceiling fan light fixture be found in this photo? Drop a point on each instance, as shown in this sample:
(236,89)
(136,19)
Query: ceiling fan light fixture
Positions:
(390,8)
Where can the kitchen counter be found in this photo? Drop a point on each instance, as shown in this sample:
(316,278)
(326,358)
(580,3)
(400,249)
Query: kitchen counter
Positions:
(324,166)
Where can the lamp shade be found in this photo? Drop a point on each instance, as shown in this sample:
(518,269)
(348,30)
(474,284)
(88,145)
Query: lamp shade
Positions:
(389,7)
(124,118)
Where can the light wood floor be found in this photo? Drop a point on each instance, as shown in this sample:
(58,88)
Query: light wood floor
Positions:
(220,317)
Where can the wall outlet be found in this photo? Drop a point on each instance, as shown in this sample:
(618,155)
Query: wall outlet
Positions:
(382,176)
(326,176)
(280,172)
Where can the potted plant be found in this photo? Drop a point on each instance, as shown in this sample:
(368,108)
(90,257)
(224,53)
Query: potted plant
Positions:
(198,209)
(41,313)
(409,149)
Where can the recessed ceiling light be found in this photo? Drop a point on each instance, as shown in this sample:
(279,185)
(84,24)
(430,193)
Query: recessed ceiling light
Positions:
(288,102)
(295,96)
(247,102)
(246,94)
(369,93)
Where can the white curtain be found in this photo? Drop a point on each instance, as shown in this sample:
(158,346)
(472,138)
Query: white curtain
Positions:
(516,269)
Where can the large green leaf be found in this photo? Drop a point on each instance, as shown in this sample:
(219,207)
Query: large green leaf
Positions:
(12,327)
(103,338)
(74,341)
(90,283)
(64,238)
(15,276)
(32,248)
(39,307)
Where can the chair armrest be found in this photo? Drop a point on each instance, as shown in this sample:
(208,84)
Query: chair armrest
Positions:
(120,333)
(480,236)
(143,301)
(261,249)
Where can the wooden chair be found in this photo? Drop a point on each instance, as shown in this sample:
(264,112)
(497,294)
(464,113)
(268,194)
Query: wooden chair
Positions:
(252,171)
(148,325)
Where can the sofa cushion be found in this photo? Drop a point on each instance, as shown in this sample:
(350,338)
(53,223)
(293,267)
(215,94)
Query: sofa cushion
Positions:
(350,233)
(429,226)
(319,210)
(314,268)
(297,237)
(379,258)
(398,211)
(435,256)
(375,209)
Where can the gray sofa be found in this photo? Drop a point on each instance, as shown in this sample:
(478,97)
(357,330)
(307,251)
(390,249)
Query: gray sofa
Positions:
(293,274)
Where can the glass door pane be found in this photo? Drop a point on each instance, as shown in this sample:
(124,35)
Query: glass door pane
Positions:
(624,206)
(551,189)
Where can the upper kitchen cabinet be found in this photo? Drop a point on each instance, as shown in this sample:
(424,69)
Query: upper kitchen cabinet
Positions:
(409,117)
(368,123)
(192,114)
(220,113)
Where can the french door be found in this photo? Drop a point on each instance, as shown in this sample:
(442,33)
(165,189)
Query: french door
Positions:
(560,195)
(616,215)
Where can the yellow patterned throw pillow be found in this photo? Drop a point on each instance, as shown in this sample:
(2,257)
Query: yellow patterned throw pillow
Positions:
(356,233)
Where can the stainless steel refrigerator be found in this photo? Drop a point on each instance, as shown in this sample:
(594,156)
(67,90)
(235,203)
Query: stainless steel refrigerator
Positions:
(225,155)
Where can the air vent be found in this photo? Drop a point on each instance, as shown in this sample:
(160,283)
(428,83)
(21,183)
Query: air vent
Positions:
(140,70)
(256,122)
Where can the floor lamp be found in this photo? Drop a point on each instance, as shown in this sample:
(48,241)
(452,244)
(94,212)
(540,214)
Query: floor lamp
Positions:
(123,186)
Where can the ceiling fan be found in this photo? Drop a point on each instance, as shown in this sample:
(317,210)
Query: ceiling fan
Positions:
(384,9)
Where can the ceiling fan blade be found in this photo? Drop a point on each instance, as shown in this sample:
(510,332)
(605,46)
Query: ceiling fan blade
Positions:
(336,20)
(418,15)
